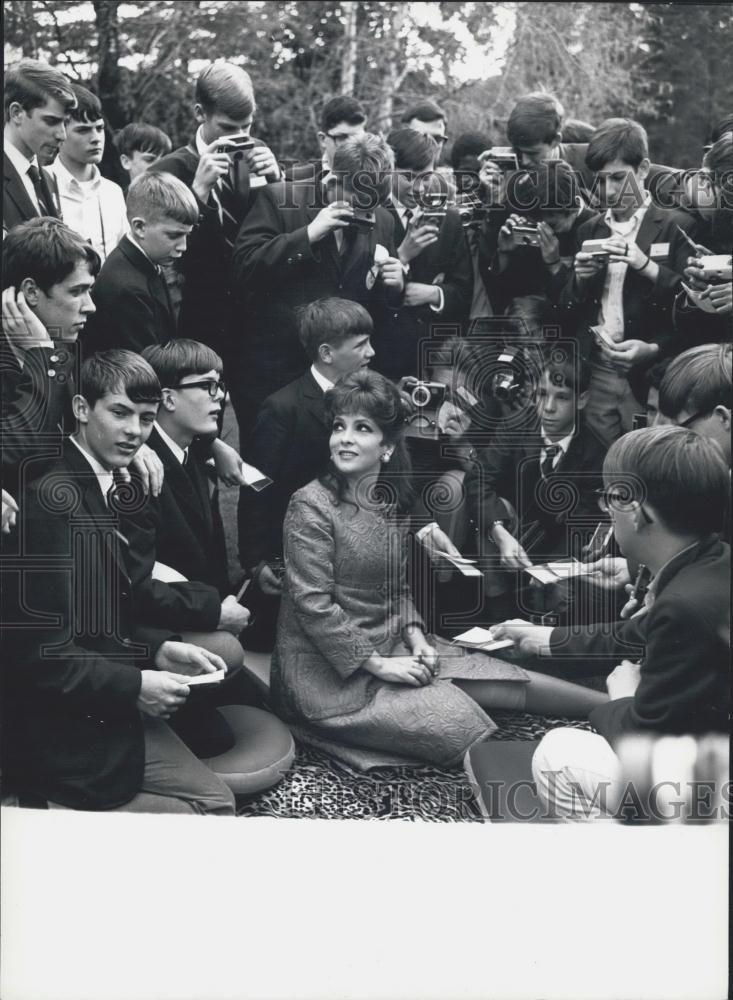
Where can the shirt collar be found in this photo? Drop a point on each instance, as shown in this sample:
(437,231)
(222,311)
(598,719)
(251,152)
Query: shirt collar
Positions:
(199,141)
(563,444)
(19,161)
(135,243)
(67,180)
(178,453)
(632,224)
(323,383)
(104,476)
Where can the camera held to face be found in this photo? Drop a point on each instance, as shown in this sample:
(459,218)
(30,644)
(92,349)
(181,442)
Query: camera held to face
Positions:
(236,146)
(507,381)
(526,234)
(427,398)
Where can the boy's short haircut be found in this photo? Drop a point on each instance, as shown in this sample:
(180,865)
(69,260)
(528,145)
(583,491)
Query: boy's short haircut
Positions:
(468,144)
(719,162)
(574,130)
(549,187)
(31,83)
(45,250)
(697,381)
(566,368)
(617,139)
(680,474)
(143,138)
(365,163)
(225,88)
(88,106)
(156,195)
(412,150)
(342,109)
(181,357)
(425,111)
(331,321)
(122,372)
(535,118)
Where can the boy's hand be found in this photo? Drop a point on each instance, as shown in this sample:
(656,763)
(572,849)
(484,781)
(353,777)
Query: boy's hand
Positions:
(630,352)
(419,235)
(549,244)
(262,162)
(586,266)
(211,166)
(392,274)
(21,326)
(337,215)
(150,469)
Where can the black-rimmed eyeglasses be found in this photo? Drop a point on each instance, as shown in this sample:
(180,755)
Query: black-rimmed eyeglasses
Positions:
(213,386)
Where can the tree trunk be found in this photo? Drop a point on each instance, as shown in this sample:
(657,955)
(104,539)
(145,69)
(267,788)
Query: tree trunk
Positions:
(109,84)
(348,59)
(394,67)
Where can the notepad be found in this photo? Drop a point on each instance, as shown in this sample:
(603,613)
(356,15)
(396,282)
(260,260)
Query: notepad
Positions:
(483,639)
(254,478)
(214,678)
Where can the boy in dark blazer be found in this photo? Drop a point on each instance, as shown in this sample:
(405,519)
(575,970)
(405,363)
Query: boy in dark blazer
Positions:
(290,439)
(294,248)
(134,308)
(225,183)
(620,298)
(667,490)
(189,536)
(435,255)
(513,487)
(87,689)
(37,101)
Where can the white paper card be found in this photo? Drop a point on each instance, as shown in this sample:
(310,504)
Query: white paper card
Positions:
(214,678)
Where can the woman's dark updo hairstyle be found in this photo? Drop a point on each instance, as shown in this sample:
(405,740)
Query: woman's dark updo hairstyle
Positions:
(374,396)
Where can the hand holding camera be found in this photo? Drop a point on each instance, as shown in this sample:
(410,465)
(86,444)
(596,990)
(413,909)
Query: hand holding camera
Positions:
(213,163)
(549,245)
(507,242)
(420,234)
(262,162)
(623,251)
(337,215)
(492,179)
(588,264)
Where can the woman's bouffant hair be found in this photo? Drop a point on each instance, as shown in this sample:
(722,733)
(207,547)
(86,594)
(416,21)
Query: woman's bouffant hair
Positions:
(374,396)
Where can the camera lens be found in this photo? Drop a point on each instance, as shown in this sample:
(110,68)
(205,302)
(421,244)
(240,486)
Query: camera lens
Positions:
(420,395)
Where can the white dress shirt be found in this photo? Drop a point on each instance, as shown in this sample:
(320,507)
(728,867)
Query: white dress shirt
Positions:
(611,317)
(95,209)
(563,444)
(179,453)
(323,383)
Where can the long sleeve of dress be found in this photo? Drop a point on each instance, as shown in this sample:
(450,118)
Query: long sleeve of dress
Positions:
(310,554)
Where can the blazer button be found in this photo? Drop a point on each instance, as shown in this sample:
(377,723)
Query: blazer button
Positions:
(51,372)
(54,358)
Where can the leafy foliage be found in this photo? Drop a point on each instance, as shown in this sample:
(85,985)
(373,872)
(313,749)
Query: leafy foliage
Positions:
(663,63)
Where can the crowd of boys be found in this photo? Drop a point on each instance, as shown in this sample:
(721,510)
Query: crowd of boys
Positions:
(537,301)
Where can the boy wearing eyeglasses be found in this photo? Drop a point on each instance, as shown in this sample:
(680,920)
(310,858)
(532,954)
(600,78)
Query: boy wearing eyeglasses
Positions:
(667,491)
(189,535)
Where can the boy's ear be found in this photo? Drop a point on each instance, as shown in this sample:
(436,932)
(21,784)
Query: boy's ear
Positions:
(723,414)
(168,401)
(80,406)
(325,354)
(30,290)
(198,113)
(644,167)
(558,138)
(125,161)
(137,225)
(582,400)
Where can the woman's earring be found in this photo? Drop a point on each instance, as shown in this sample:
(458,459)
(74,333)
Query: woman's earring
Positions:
(386,455)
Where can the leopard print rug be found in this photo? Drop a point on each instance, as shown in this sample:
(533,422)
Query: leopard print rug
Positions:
(319,787)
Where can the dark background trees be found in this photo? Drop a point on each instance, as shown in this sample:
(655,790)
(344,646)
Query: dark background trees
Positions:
(666,64)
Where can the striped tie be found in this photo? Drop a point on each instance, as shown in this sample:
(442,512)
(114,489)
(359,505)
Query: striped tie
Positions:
(227,199)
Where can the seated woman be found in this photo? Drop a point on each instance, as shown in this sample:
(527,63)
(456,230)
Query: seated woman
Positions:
(352,661)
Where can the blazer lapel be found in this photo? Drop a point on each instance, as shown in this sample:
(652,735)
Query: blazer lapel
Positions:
(312,397)
(178,479)
(15,190)
(650,226)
